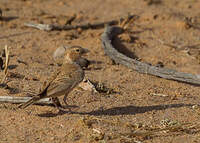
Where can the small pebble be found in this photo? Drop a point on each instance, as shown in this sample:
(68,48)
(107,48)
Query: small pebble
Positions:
(195,106)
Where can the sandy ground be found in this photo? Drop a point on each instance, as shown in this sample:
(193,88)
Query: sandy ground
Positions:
(141,106)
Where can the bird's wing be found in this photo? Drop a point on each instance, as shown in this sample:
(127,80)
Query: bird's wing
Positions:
(48,82)
(61,84)
(63,81)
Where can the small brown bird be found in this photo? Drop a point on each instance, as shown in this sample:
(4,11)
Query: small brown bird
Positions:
(64,80)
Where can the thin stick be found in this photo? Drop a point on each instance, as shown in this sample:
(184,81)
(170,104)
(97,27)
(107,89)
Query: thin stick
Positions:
(107,38)
(14,99)
(51,27)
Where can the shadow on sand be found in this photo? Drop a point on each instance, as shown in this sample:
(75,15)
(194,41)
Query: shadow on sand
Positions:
(126,110)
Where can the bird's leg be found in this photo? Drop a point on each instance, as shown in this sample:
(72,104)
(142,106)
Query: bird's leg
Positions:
(56,102)
(65,101)
(58,105)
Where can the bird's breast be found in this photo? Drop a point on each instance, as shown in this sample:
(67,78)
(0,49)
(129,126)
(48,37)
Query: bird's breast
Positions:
(73,71)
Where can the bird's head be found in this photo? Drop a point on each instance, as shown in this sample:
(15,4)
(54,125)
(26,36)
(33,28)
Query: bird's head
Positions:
(74,53)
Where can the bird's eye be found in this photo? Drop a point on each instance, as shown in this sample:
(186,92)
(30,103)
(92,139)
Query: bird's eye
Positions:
(77,50)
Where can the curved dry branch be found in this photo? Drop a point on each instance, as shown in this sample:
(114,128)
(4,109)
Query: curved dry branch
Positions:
(107,37)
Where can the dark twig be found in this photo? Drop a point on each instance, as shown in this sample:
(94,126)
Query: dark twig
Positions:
(107,37)
(51,27)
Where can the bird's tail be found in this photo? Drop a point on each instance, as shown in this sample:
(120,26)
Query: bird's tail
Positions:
(29,102)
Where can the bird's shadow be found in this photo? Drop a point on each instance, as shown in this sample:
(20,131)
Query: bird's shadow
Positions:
(126,110)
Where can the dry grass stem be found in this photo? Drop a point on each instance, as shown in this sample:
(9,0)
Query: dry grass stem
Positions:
(6,64)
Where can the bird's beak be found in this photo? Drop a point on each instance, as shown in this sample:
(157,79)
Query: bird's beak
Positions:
(85,51)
